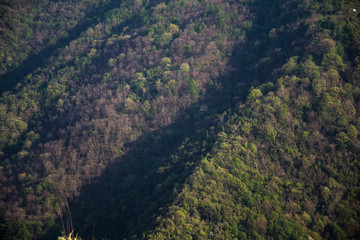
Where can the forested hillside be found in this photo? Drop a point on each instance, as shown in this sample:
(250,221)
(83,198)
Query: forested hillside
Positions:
(188,119)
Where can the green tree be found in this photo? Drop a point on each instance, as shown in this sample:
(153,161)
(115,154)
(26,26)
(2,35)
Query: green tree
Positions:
(332,60)
(185,67)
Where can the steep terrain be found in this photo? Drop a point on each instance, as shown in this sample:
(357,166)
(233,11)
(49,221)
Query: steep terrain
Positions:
(180,119)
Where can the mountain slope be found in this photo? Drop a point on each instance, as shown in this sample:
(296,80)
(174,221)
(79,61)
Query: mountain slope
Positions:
(141,125)
(131,73)
(273,173)
(286,164)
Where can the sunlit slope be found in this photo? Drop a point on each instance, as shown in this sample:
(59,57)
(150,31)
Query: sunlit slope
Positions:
(187,119)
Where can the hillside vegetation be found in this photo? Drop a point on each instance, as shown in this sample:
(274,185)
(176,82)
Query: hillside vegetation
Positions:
(180,119)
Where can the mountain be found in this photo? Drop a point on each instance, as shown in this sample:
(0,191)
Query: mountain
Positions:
(180,119)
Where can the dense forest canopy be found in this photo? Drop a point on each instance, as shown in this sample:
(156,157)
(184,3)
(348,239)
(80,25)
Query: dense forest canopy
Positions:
(184,119)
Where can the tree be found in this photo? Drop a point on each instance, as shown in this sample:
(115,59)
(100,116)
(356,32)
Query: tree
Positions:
(185,67)
(332,60)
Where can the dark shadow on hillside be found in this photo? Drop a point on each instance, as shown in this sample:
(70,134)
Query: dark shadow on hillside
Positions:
(9,80)
(124,202)
(131,193)
(126,199)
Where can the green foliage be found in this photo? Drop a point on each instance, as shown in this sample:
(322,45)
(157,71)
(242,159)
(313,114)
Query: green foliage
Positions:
(185,67)
(284,229)
(112,62)
(226,120)
(353,132)
(166,62)
(291,67)
(23,229)
(334,232)
(254,94)
(106,77)
(332,60)
(311,70)
(319,86)
(247,24)
(194,92)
